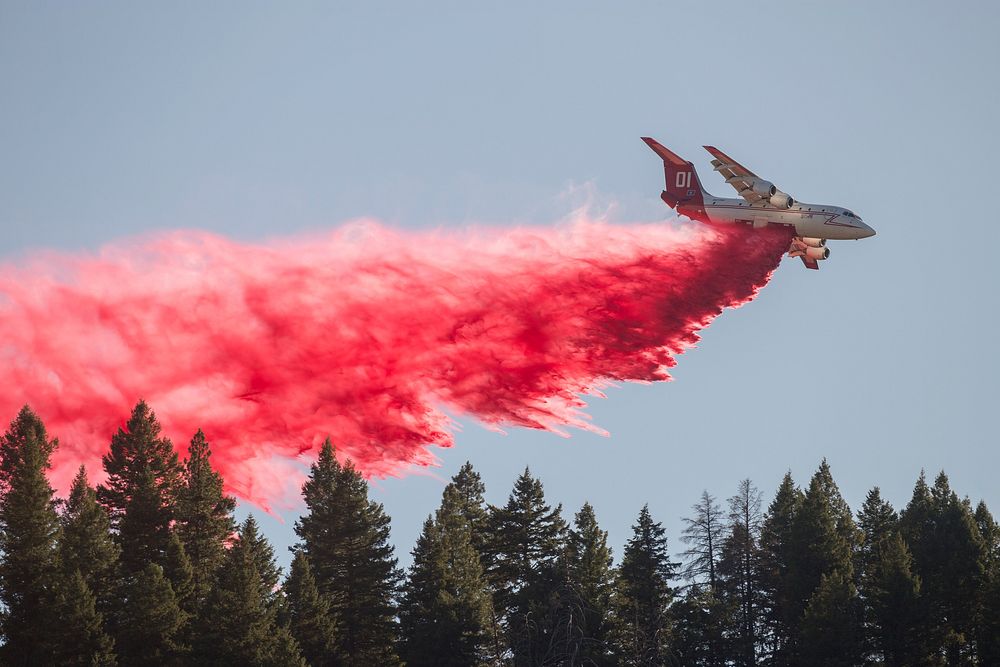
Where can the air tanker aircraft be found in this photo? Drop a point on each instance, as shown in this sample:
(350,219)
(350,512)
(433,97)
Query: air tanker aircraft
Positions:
(762,205)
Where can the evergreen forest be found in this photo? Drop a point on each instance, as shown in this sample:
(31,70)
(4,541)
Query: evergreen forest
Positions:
(150,568)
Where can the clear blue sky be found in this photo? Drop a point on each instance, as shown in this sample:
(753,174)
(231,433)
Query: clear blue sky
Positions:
(259,119)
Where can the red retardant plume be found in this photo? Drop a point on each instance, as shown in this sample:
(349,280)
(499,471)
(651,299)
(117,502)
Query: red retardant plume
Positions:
(364,334)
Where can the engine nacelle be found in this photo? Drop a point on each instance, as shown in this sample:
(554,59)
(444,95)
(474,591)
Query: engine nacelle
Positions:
(763,188)
(814,243)
(781,200)
(818,253)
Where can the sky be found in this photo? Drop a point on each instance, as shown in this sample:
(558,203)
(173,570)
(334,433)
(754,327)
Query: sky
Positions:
(257,120)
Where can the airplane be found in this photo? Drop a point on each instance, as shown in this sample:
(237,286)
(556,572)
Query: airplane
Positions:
(762,205)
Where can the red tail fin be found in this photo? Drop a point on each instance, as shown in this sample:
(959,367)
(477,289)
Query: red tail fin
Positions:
(683,188)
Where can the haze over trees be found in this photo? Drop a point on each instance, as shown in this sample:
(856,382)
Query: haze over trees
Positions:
(150,568)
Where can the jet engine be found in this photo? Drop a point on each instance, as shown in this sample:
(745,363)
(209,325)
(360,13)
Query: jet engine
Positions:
(817,253)
(762,187)
(781,200)
(814,243)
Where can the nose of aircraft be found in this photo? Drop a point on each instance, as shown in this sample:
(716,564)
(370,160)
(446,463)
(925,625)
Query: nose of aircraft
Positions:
(866,231)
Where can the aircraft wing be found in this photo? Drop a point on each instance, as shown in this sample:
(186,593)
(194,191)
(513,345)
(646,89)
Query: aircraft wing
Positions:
(738,176)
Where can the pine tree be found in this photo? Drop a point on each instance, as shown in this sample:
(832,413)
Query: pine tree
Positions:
(950,557)
(891,593)
(444,612)
(86,544)
(78,635)
(831,624)
(151,622)
(468,491)
(243,627)
(177,568)
(309,619)
(643,596)
(346,537)
(878,521)
(740,571)
(29,528)
(703,535)
(699,617)
(526,545)
(262,554)
(204,516)
(592,583)
(988,622)
(143,479)
(777,563)
(823,538)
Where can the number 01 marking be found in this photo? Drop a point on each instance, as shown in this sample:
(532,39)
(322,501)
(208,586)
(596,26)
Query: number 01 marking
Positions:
(683,179)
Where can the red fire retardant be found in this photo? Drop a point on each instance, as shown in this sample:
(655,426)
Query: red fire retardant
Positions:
(365,334)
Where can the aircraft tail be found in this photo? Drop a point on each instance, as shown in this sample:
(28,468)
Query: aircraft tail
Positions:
(683,187)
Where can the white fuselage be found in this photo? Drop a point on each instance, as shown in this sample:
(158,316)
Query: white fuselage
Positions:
(808,220)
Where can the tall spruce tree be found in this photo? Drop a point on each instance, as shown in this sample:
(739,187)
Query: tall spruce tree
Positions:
(592,584)
(308,613)
(823,538)
(739,570)
(140,493)
(243,627)
(644,625)
(988,621)
(949,555)
(895,634)
(831,624)
(777,563)
(78,634)
(204,516)
(29,528)
(150,621)
(444,612)
(346,537)
(86,544)
(526,547)
(878,521)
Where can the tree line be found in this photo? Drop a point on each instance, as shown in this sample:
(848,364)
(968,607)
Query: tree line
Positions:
(150,568)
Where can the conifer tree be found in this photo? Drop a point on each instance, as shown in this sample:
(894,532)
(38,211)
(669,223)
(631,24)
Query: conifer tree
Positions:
(140,493)
(346,537)
(262,554)
(988,621)
(644,626)
(243,627)
(204,516)
(739,569)
(777,563)
(526,544)
(703,535)
(592,584)
(895,636)
(177,568)
(151,622)
(950,557)
(831,625)
(468,491)
(878,521)
(699,617)
(444,612)
(29,528)
(823,538)
(78,634)
(309,619)
(86,544)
